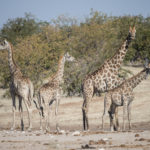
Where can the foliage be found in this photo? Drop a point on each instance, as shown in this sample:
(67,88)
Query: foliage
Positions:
(37,46)
(19,28)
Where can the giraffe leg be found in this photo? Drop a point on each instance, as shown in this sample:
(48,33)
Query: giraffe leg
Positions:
(111,116)
(83,111)
(42,116)
(30,119)
(21,113)
(30,104)
(106,113)
(124,115)
(85,115)
(13,109)
(48,119)
(41,121)
(87,98)
(56,113)
(47,123)
(116,126)
(29,110)
(14,117)
(41,111)
(129,115)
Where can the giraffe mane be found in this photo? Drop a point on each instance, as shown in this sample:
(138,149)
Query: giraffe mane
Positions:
(12,50)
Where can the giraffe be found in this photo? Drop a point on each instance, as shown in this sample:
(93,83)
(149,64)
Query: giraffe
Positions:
(20,86)
(123,96)
(50,92)
(108,72)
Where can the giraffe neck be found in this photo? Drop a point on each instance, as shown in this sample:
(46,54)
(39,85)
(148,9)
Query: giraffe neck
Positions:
(60,71)
(11,62)
(135,80)
(118,58)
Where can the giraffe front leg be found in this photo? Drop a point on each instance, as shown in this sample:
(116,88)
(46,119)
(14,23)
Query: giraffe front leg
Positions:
(112,111)
(104,116)
(56,114)
(107,111)
(13,110)
(85,109)
(14,117)
(29,110)
(30,119)
(21,113)
(41,121)
(46,123)
(124,115)
(111,116)
(41,113)
(129,116)
(47,117)
(88,91)
(117,128)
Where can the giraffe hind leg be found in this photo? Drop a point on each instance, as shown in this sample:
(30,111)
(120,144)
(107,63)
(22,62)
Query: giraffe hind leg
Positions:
(83,112)
(85,116)
(85,120)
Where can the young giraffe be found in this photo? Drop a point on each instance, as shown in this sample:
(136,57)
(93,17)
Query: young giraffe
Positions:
(20,86)
(123,96)
(50,92)
(107,73)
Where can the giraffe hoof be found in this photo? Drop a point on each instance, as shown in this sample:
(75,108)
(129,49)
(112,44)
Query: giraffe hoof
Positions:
(29,129)
(112,130)
(87,130)
(41,129)
(47,130)
(11,129)
(117,129)
(57,129)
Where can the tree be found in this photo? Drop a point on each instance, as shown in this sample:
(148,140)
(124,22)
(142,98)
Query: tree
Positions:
(19,28)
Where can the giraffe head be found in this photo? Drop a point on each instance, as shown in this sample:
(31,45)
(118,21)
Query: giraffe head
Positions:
(4,45)
(132,32)
(68,57)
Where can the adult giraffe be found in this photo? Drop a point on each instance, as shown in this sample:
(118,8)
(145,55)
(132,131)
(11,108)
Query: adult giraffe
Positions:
(20,86)
(108,73)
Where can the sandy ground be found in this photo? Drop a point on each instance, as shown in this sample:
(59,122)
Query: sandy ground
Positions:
(72,136)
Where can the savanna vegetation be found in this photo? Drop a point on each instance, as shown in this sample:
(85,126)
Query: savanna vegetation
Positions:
(38,45)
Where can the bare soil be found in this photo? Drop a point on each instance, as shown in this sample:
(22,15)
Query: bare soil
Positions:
(72,136)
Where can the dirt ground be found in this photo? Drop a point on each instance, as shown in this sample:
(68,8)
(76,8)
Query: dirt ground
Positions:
(72,136)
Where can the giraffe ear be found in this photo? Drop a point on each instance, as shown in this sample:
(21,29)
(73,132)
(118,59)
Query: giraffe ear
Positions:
(130,29)
(133,29)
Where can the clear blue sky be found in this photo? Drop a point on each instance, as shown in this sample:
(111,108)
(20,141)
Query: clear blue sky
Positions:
(46,10)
